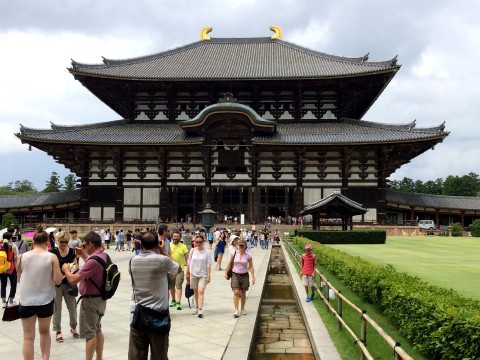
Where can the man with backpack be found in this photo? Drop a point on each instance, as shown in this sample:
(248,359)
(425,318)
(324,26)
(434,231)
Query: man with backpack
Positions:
(91,279)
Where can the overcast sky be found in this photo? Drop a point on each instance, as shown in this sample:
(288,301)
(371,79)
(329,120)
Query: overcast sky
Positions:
(437,42)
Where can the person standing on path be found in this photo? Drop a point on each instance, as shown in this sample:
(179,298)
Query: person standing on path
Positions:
(199,267)
(240,263)
(36,270)
(309,262)
(149,272)
(74,240)
(65,255)
(92,306)
(220,249)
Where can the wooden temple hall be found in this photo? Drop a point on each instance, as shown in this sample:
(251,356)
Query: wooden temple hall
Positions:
(253,126)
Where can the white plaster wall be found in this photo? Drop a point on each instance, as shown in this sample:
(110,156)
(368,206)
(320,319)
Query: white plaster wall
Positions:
(95,212)
(131,213)
(150,213)
(131,196)
(108,213)
(311,195)
(151,196)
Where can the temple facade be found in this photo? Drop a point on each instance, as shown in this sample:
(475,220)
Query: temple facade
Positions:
(253,126)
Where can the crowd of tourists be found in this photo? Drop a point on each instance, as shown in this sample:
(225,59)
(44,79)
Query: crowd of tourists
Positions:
(57,269)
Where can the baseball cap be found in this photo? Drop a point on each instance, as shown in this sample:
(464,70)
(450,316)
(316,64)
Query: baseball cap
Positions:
(308,247)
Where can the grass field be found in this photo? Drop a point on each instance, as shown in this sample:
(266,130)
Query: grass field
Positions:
(449,262)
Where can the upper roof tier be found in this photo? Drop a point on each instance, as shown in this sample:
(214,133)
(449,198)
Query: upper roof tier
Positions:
(235,58)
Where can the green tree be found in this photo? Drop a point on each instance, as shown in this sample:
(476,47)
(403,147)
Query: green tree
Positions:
(459,186)
(24,186)
(475,228)
(407,185)
(433,187)
(70,182)
(53,185)
(8,219)
(419,187)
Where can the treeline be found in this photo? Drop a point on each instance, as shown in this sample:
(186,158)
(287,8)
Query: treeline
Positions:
(466,185)
(25,187)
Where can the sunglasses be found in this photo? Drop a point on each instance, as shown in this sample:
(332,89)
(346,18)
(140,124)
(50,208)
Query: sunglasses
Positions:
(84,246)
(241,245)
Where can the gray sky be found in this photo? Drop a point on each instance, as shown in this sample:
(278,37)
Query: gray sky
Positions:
(437,42)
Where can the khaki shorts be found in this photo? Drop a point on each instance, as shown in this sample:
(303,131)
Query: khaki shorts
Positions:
(240,281)
(91,313)
(308,280)
(198,282)
(179,280)
(171,281)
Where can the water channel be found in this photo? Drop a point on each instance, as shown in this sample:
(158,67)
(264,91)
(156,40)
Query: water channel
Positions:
(281,332)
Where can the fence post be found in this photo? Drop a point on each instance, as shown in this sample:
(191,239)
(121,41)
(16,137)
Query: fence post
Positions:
(327,296)
(339,310)
(363,332)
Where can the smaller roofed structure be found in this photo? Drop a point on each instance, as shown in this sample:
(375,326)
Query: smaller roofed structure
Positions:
(334,206)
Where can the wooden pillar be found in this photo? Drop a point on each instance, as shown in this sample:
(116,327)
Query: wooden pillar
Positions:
(254,204)
(118,162)
(345,166)
(164,210)
(412,213)
(437,219)
(84,196)
(462,217)
(315,222)
(30,216)
(54,212)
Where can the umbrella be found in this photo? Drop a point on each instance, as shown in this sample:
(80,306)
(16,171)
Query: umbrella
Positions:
(3,231)
(50,229)
(197,229)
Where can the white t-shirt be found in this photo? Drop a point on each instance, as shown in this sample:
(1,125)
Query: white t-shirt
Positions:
(199,262)
(37,279)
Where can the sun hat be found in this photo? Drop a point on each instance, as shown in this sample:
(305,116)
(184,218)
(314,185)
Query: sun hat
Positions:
(308,247)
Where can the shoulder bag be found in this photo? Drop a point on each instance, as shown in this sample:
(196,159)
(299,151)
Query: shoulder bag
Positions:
(11,313)
(146,319)
(230,272)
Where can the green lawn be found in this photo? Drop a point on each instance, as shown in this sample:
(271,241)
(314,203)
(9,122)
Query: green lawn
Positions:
(449,262)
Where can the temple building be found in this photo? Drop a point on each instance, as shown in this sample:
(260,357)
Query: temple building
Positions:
(253,126)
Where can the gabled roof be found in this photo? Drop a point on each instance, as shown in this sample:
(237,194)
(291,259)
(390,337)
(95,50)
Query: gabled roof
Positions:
(122,132)
(334,201)
(433,201)
(235,58)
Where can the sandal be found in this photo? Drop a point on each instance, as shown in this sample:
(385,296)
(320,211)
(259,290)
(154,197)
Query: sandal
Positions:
(59,337)
(74,333)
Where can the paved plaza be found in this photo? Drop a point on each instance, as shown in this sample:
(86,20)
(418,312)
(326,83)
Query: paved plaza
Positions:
(218,335)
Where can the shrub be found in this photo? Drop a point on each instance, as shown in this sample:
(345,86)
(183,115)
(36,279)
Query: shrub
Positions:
(8,219)
(345,237)
(475,228)
(439,322)
(457,229)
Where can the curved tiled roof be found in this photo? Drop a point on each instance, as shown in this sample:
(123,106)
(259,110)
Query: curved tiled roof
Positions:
(122,132)
(34,200)
(325,202)
(235,58)
(434,201)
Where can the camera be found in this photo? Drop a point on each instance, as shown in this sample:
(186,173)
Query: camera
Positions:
(14,238)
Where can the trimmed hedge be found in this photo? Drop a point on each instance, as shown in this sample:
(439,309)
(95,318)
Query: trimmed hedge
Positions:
(345,237)
(439,322)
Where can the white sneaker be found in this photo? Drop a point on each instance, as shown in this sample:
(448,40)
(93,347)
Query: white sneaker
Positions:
(200,313)
(4,304)
(244,312)
(11,302)
(236,314)
(195,312)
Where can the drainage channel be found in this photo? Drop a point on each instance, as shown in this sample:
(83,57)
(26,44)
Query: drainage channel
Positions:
(281,333)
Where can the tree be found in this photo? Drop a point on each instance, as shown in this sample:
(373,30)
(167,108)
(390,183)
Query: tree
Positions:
(459,186)
(70,182)
(24,186)
(433,187)
(457,229)
(8,219)
(53,185)
(475,228)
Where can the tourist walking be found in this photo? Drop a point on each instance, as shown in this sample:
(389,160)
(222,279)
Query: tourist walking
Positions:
(108,236)
(240,263)
(10,274)
(36,270)
(65,255)
(180,255)
(149,272)
(74,240)
(308,263)
(199,269)
(220,249)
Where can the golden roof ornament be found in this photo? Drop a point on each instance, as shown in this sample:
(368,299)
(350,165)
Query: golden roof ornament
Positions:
(203,33)
(277,30)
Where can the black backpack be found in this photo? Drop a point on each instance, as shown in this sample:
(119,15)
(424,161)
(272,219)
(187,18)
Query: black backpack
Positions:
(111,277)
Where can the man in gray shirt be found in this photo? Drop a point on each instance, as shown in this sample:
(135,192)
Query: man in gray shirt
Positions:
(74,241)
(149,272)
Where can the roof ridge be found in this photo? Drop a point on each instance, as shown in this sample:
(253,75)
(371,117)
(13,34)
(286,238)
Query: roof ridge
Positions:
(363,60)
(57,128)
(411,127)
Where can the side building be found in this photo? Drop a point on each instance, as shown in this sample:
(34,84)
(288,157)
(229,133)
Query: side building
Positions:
(253,126)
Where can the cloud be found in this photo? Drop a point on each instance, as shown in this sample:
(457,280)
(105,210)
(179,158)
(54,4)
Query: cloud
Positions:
(437,47)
